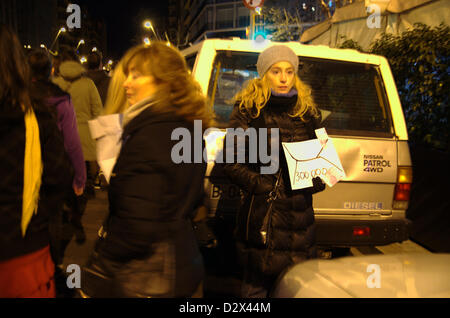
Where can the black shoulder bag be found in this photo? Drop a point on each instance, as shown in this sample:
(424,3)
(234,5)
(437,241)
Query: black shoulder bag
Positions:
(266,225)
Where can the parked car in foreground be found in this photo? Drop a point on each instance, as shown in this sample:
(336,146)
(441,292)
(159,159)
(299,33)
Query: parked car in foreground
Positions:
(412,275)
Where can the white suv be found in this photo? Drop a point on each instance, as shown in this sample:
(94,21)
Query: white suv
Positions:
(362,114)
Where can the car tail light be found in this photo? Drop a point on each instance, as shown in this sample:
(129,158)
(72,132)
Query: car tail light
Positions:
(403,188)
(361,231)
(402,191)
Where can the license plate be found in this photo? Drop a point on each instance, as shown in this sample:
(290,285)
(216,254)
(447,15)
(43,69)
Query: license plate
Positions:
(225,191)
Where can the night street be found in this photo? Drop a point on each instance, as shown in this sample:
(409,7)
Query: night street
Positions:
(216,286)
(248,149)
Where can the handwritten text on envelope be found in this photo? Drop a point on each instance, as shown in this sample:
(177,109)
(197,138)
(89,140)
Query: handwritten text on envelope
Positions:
(313,158)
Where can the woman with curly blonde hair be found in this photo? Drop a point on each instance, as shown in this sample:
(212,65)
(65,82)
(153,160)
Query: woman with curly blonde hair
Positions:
(257,93)
(275,224)
(148,248)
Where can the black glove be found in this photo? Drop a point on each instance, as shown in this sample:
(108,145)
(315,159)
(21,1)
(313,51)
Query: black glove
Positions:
(318,185)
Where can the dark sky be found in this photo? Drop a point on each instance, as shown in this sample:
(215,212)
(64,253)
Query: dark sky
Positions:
(124,19)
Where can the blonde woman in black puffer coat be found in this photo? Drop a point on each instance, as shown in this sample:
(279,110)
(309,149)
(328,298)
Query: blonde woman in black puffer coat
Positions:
(272,236)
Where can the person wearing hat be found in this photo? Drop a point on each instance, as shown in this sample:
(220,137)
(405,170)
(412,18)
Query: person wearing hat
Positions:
(275,225)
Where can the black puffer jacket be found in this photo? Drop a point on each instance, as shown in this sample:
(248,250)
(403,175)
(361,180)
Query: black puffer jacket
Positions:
(290,227)
(150,249)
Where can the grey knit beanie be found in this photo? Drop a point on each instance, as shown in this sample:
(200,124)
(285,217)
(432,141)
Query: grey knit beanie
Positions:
(275,54)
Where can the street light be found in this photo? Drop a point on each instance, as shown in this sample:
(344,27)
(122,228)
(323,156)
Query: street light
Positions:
(167,38)
(108,66)
(62,30)
(146,41)
(79,43)
(94,49)
(148,25)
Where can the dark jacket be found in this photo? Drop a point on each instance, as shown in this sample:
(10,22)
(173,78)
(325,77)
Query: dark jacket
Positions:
(55,179)
(101,81)
(150,249)
(60,102)
(290,226)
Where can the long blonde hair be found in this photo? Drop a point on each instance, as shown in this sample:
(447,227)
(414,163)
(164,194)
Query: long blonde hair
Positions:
(255,95)
(116,98)
(178,91)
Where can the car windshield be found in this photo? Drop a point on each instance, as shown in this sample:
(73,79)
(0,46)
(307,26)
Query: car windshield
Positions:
(351,96)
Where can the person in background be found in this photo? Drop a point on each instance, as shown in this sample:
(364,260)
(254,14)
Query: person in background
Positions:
(34,173)
(275,225)
(88,105)
(97,74)
(116,103)
(56,62)
(45,91)
(148,248)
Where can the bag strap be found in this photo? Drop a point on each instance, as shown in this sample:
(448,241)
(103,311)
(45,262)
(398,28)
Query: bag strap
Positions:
(268,217)
(273,194)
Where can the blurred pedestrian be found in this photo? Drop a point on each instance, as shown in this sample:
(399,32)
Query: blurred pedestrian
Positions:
(55,97)
(56,62)
(108,135)
(45,91)
(148,248)
(97,74)
(34,172)
(116,97)
(87,105)
(275,225)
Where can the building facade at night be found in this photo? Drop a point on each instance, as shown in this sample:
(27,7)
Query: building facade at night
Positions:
(38,23)
(191,21)
(35,22)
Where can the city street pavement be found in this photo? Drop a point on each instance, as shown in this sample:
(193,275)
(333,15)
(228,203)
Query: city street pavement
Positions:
(95,213)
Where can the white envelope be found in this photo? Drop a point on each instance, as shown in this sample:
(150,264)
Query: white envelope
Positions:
(107,131)
(313,158)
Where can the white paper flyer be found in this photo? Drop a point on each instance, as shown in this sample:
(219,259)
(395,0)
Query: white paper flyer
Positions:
(313,158)
(107,131)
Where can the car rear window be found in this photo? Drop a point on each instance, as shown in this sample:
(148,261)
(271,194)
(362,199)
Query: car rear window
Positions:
(190,60)
(351,96)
